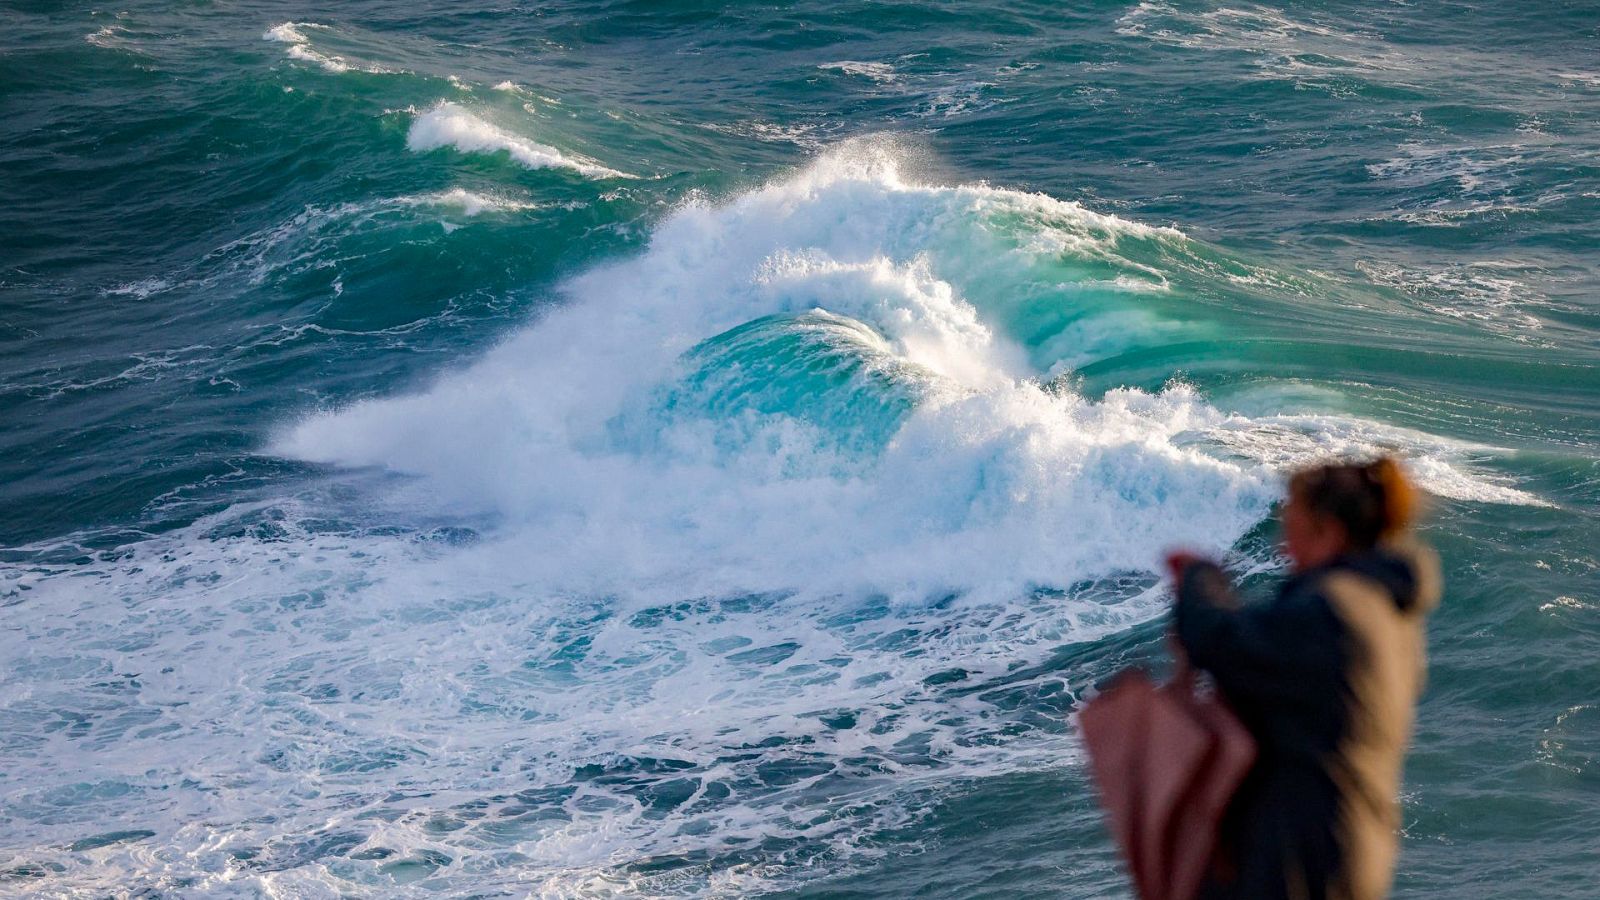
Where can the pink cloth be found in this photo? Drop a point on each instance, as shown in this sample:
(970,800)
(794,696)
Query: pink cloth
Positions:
(1167,761)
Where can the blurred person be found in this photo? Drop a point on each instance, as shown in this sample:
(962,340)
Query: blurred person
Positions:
(1326,678)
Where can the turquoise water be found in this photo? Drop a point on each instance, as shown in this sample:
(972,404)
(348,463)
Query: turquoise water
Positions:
(608,448)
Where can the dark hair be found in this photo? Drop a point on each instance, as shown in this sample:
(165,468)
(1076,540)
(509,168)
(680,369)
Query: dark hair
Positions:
(1372,500)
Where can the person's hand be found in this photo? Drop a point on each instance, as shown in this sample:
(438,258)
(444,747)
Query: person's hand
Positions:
(1178,562)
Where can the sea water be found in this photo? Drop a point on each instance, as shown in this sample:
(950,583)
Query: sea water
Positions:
(670,449)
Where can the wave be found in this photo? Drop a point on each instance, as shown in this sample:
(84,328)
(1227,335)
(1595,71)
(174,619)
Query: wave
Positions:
(451,125)
(853,367)
(580,426)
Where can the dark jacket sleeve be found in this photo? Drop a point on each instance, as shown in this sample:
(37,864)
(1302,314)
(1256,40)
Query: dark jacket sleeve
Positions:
(1268,654)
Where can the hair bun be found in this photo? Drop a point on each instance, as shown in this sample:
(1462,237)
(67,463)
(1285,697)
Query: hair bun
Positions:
(1398,494)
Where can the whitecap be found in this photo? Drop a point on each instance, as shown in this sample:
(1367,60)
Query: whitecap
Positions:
(1475,171)
(1310,54)
(451,125)
(882,73)
(142,289)
(294,34)
(1483,291)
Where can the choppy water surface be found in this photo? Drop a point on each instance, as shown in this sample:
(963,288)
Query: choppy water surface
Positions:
(655,449)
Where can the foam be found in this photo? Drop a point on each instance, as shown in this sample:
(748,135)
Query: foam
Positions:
(1440,465)
(110,37)
(1477,292)
(451,125)
(291,33)
(1250,27)
(1587,79)
(468,203)
(800,134)
(960,98)
(1476,171)
(1310,54)
(294,34)
(882,73)
(143,289)
(302,694)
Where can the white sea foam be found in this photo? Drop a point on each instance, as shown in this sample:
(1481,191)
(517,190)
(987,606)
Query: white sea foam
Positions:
(289,32)
(1310,54)
(111,37)
(1476,171)
(882,73)
(811,136)
(452,125)
(142,289)
(1498,294)
(656,626)
(1230,26)
(1333,54)
(1586,79)
(469,203)
(295,35)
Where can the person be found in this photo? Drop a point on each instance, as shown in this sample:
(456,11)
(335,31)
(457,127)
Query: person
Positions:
(1326,678)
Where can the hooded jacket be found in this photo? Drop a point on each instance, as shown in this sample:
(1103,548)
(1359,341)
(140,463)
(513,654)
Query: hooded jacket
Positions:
(1326,677)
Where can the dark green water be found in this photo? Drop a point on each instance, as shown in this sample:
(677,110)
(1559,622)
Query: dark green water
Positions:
(689,449)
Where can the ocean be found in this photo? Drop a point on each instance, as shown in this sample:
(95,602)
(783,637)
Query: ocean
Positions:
(604,448)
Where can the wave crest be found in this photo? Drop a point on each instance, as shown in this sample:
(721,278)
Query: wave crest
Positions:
(451,125)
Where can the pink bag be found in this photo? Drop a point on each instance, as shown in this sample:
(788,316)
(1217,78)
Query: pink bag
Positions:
(1167,761)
